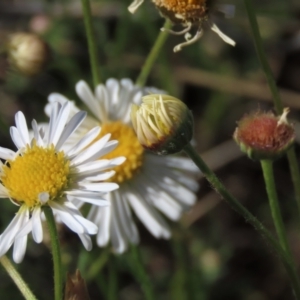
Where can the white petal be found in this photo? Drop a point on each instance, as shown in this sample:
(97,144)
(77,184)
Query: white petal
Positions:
(135,5)
(92,200)
(7,154)
(22,127)
(9,234)
(101,177)
(60,123)
(16,138)
(37,135)
(93,152)
(3,192)
(86,241)
(117,235)
(125,217)
(37,230)
(72,125)
(148,216)
(86,95)
(101,217)
(67,217)
(19,249)
(89,227)
(99,186)
(222,35)
(85,141)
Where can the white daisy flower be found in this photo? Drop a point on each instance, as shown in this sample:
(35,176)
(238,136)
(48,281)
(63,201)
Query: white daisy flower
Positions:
(40,173)
(148,184)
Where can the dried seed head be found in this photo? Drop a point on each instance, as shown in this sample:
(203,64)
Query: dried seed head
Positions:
(264,135)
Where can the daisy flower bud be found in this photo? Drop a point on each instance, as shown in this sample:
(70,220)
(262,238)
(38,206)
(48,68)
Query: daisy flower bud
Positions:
(264,135)
(163,124)
(28,53)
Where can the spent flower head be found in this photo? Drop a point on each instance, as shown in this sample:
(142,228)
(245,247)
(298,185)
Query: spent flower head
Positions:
(148,184)
(40,173)
(188,13)
(163,124)
(263,135)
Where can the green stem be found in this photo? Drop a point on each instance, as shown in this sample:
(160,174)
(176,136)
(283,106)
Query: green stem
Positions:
(17,278)
(58,280)
(141,274)
(112,280)
(267,167)
(293,163)
(262,56)
(90,33)
(96,267)
(295,174)
(239,208)
(160,41)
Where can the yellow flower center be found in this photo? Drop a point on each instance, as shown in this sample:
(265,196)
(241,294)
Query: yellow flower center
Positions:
(38,170)
(128,146)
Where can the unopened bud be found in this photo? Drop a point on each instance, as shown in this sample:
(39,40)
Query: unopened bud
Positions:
(163,124)
(28,53)
(76,288)
(264,135)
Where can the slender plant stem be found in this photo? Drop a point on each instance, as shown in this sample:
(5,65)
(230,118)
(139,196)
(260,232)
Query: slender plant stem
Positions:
(96,267)
(160,41)
(58,280)
(262,56)
(90,33)
(17,278)
(112,280)
(267,167)
(140,273)
(239,208)
(293,163)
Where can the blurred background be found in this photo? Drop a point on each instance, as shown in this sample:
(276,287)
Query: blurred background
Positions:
(214,254)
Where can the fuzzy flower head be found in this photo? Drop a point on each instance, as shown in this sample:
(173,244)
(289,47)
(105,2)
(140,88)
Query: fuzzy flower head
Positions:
(28,53)
(188,13)
(41,174)
(149,185)
(264,135)
(163,124)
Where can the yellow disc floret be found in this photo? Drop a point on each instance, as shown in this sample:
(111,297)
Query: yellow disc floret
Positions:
(38,170)
(128,147)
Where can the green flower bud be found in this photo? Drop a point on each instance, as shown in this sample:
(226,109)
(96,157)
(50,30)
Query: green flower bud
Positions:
(163,124)
(264,135)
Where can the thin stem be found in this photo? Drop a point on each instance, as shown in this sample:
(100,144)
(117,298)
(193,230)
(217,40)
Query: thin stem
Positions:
(293,163)
(239,208)
(90,33)
(17,278)
(160,41)
(141,274)
(112,280)
(267,167)
(58,280)
(96,267)
(262,56)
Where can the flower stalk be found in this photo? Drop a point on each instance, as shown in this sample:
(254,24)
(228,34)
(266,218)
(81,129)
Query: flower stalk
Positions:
(160,41)
(292,159)
(141,274)
(90,33)
(239,208)
(17,278)
(58,280)
(267,167)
